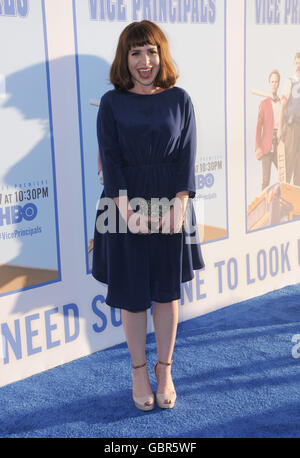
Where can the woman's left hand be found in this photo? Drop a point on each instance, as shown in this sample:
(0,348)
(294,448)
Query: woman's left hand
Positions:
(171,222)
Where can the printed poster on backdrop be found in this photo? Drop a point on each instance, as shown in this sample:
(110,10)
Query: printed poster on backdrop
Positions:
(29,254)
(196,35)
(272,92)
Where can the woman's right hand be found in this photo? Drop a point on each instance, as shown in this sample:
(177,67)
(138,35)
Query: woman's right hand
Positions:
(139,223)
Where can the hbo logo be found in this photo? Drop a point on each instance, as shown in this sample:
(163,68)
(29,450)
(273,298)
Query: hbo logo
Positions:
(203,181)
(16,213)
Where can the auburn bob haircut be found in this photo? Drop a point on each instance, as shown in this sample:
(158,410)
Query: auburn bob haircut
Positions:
(140,34)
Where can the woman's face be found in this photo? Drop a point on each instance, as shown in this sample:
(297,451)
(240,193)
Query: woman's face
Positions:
(143,65)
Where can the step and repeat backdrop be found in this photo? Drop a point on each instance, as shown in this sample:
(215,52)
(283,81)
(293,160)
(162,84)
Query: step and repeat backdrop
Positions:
(239,62)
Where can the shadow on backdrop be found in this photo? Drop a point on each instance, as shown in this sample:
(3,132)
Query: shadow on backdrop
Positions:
(36,260)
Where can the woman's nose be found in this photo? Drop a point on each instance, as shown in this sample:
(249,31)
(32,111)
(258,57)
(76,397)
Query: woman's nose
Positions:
(145,58)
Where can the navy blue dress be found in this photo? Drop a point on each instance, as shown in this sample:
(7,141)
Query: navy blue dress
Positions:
(147,146)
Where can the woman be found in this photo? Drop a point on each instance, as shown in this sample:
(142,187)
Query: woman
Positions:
(147,142)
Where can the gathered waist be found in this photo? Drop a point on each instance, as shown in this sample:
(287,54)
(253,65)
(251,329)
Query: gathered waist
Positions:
(155,165)
(150,180)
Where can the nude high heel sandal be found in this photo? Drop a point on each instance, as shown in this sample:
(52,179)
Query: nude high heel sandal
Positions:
(140,402)
(162,397)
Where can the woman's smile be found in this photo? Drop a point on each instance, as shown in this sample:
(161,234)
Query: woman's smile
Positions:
(145,73)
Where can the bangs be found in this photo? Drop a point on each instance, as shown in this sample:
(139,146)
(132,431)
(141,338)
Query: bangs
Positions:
(140,35)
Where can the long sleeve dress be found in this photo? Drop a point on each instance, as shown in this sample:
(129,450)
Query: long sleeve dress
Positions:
(147,145)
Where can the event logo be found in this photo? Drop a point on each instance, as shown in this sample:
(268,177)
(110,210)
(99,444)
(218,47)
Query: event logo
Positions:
(206,180)
(12,8)
(16,213)
(198,11)
(272,12)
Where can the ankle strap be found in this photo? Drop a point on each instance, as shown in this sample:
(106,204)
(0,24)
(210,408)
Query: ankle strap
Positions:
(137,367)
(166,364)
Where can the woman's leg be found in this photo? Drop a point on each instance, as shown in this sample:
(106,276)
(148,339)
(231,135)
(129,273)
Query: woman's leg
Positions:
(165,320)
(135,329)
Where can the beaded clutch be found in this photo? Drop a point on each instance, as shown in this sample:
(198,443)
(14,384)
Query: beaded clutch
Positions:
(155,208)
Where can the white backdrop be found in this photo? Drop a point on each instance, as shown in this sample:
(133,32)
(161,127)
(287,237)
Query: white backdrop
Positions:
(51,309)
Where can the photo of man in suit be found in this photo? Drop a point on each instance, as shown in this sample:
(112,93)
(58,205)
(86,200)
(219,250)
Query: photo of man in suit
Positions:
(267,128)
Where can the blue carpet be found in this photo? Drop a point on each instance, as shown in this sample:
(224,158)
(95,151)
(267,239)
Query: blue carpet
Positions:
(233,370)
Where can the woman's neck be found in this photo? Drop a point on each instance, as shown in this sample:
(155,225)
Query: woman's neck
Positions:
(146,90)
